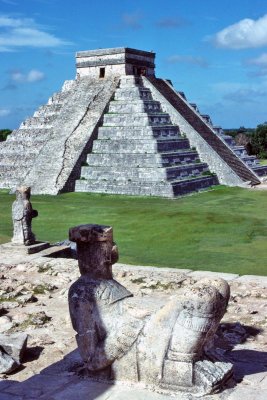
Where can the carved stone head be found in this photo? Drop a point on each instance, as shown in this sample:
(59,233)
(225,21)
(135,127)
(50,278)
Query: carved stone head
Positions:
(96,250)
(23,192)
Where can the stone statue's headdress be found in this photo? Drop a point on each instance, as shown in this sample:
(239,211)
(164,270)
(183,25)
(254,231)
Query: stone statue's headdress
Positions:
(96,249)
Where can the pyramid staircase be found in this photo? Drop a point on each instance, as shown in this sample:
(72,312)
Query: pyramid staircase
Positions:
(224,160)
(251,161)
(139,151)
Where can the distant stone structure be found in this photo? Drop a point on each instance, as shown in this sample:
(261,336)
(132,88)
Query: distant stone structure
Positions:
(117,128)
(162,345)
(22,215)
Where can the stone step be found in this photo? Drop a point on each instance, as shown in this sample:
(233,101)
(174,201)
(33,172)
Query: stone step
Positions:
(17,159)
(184,171)
(15,148)
(240,151)
(48,110)
(131,188)
(152,174)
(29,134)
(8,170)
(36,122)
(113,173)
(180,158)
(139,146)
(149,132)
(147,188)
(10,183)
(144,160)
(25,143)
(130,81)
(260,170)
(132,94)
(251,159)
(135,106)
(122,159)
(181,188)
(229,140)
(140,119)
(58,98)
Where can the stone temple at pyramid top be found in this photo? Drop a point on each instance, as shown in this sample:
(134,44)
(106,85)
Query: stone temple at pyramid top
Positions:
(106,63)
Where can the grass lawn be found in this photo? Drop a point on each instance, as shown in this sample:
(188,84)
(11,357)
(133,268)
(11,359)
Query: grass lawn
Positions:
(221,230)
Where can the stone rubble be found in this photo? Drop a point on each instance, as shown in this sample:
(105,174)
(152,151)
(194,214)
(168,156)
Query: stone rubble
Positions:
(51,355)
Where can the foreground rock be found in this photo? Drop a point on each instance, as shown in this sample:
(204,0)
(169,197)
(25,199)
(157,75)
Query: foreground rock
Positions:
(12,349)
(120,338)
(51,359)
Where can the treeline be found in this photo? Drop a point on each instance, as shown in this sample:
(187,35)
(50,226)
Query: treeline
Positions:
(4,134)
(254,140)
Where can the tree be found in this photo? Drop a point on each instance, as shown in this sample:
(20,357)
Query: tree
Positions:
(259,141)
(4,134)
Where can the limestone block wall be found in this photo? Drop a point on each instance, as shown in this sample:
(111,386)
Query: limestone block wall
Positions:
(59,161)
(94,72)
(224,172)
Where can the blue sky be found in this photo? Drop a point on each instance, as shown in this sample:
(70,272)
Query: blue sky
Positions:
(214,51)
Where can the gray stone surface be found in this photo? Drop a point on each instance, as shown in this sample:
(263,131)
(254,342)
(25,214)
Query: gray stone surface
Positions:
(22,215)
(243,342)
(139,151)
(210,274)
(14,345)
(259,280)
(118,336)
(7,363)
(216,164)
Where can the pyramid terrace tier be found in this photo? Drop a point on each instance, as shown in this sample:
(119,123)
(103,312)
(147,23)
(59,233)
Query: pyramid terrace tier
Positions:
(138,119)
(147,188)
(135,93)
(146,132)
(143,160)
(152,173)
(22,159)
(28,135)
(135,106)
(139,146)
(260,170)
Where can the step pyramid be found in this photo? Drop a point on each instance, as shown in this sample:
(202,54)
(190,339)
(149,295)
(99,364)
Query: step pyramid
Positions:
(140,152)
(116,128)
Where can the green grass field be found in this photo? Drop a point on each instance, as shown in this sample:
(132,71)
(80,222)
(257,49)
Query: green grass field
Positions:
(221,230)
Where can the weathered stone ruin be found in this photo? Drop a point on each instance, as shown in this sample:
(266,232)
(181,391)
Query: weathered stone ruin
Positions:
(117,128)
(12,348)
(22,215)
(164,345)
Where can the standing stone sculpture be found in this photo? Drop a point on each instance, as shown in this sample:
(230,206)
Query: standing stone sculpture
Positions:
(159,344)
(22,215)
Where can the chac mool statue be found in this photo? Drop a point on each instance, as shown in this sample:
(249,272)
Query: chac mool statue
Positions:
(22,215)
(159,344)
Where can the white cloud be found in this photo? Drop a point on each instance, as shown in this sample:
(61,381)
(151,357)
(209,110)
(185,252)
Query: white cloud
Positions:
(247,33)
(260,61)
(4,112)
(241,92)
(201,62)
(32,76)
(24,32)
